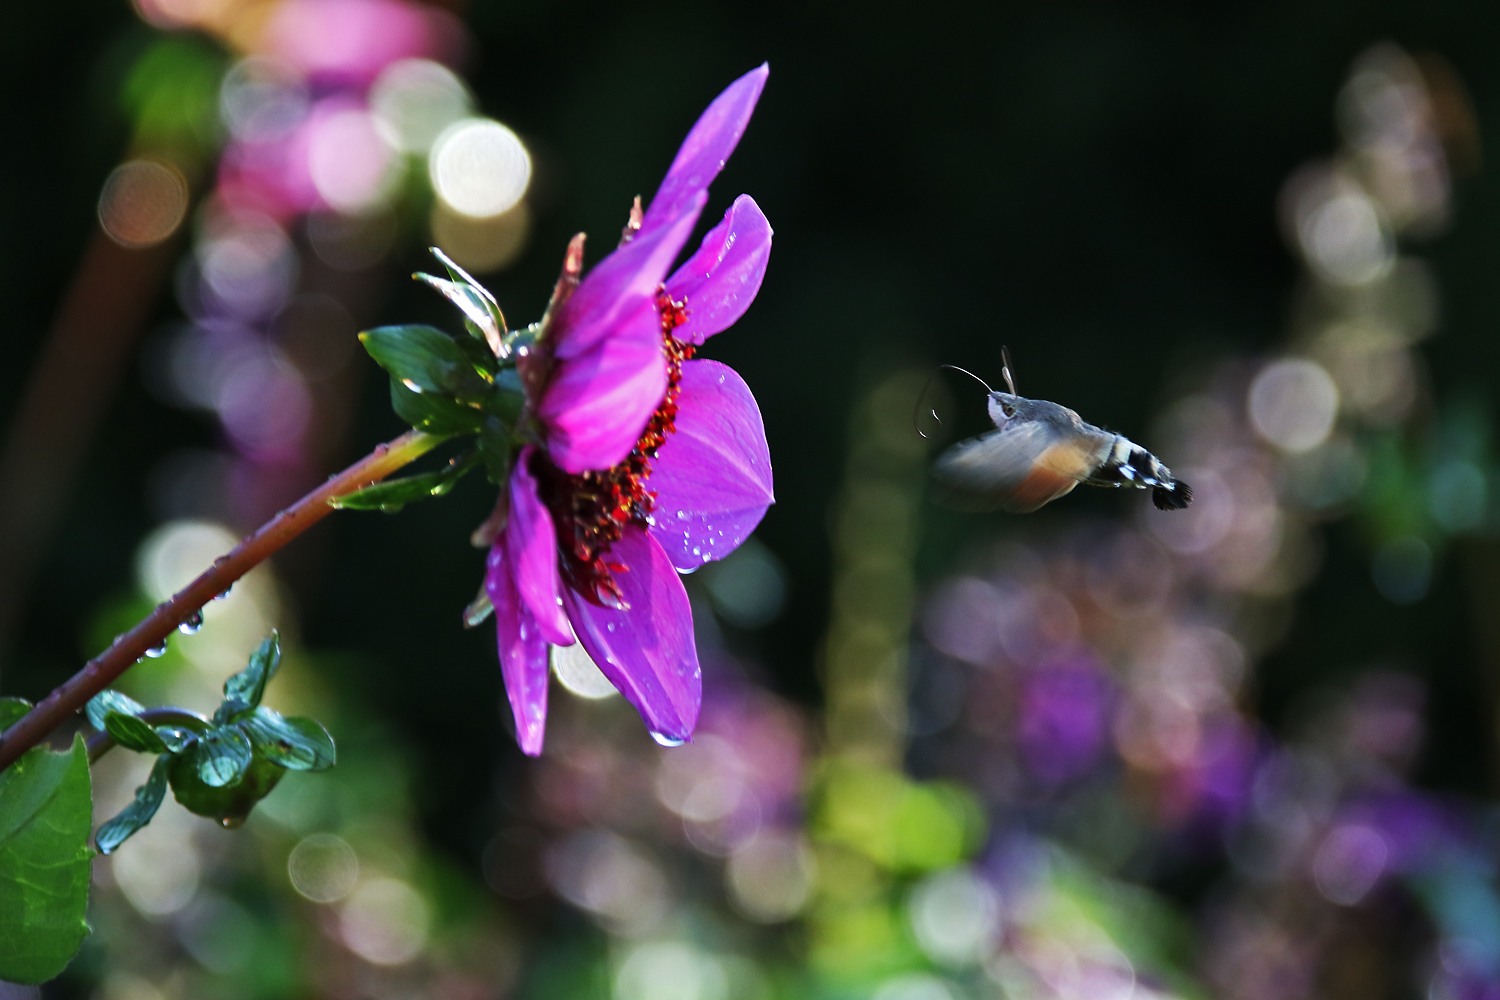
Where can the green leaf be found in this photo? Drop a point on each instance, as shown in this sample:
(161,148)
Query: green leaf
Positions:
(12,710)
(433,414)
(44,862)
(229,804)
(426,360)
(115,831)
(298,744)
(133,734)
(220,756)
(244,690)
(392,494)
(105,702)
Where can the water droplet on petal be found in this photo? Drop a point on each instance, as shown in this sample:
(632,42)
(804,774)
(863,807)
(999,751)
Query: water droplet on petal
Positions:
(667,741)
(157,651)
(682,515)
(192,623)
(610,626)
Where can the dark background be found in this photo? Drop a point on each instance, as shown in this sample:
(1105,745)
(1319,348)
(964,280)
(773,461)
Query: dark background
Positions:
(1093,184)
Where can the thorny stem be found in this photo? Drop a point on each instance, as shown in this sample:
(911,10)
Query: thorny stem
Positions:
(129,648)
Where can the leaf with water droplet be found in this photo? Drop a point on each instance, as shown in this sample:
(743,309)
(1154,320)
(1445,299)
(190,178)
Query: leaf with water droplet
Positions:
(133,733)
(116,830)
(105,702)
(244,690)
(220,756)
(296,743)
(174,737)
(229,804)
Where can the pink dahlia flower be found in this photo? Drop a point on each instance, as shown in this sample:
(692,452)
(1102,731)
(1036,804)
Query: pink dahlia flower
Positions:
(647,462)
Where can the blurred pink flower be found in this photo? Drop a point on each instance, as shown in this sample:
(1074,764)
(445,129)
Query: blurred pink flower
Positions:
(588,549)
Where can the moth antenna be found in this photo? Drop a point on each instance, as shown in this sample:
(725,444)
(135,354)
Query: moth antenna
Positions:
(1005,370)
(917,409)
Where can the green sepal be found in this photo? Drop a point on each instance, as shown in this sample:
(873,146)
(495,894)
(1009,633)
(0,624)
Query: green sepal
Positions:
(133,733)
(296,743)
(148,798)
(495,450)
(464,280)
(243,691)
(477,350)
(45,816)
(12,710)
(433,414)
(426,360)
(229,804)
(105,702)
(391,495)
(220,756)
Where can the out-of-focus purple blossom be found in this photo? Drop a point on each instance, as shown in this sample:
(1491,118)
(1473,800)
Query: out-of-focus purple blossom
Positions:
(1063,718)
(346,43)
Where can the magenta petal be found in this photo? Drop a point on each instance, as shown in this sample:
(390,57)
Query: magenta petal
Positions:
(720,281)
(523,653)
(705,149)
(611,292)
(531,550)
(712,477)
(598,403)
(646,650)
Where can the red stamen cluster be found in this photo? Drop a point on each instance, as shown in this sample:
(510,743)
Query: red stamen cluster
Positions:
(592,509)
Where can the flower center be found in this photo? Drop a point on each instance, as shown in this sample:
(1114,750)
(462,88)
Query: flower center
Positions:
(591,509)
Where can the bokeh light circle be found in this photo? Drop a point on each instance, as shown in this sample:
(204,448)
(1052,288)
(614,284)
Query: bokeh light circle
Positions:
(479,168)
(143,202)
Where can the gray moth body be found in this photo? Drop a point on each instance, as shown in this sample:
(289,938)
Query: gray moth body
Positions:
(1039,451)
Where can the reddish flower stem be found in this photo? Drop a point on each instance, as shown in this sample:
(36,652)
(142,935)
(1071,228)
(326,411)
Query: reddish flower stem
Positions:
(128,650)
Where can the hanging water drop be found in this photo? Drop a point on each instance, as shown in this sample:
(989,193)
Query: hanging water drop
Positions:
(223,593)
(158,651)
(192,623)
(667,741)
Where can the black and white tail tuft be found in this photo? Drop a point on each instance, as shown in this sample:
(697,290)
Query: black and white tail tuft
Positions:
(1175,496)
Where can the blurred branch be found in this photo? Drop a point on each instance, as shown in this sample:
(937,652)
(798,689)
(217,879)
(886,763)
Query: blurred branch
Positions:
(66,395)
(128,649)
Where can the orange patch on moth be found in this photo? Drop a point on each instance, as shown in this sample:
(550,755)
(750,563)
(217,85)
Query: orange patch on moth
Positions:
(1040,485)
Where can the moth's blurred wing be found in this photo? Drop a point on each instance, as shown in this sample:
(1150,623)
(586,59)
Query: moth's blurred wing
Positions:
(1009,470)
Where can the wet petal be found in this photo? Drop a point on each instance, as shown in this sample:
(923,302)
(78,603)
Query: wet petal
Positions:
(531,550)
(705,149)
(598,402)
(612,292)
(647,649)
(523,653)
(720,281)
(712,477)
